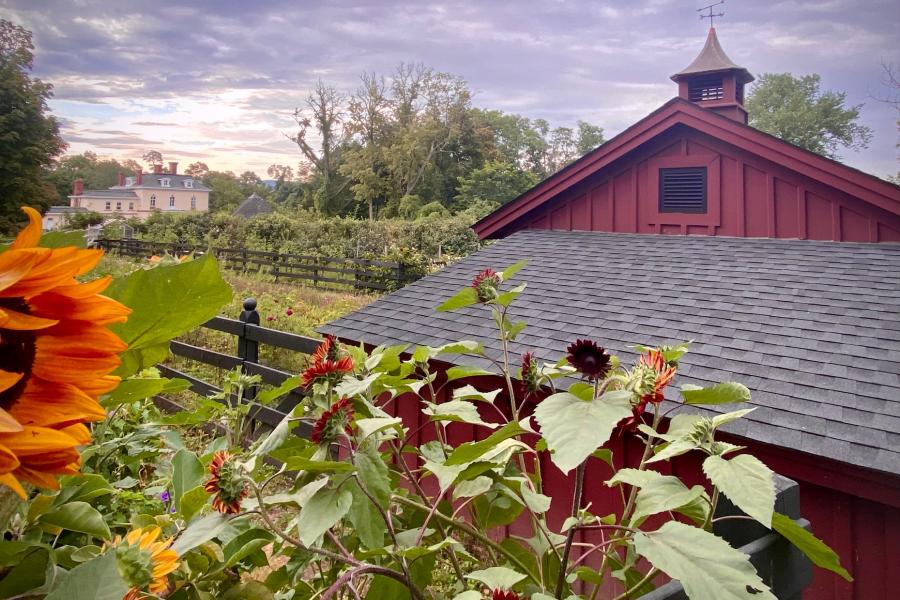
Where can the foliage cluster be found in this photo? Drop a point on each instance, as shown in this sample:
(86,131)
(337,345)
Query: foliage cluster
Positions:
(360,508)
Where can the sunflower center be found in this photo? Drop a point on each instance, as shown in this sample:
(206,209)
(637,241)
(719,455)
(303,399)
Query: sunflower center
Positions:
(17,352)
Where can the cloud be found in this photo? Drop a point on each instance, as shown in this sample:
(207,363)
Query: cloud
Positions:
(219,79)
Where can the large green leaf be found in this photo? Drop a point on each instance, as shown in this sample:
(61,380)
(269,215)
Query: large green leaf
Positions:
(815,549)
(466,453)
(192,501)
(747,482)
(462,372)
(658,493)
(30,573)
(458,411)
(365,517)
(97,579)
(707,566)
(166,302)
(495,578)
(200,531)
(464,297)
(322,512)
(187,473)
(249,590)
(512,269)
(78,516)
(728,392)
(573,428)
(138,388)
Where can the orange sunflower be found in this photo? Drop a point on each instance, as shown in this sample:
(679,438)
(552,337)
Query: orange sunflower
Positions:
(144,563)
(327,363)
(56,356)
(225,484)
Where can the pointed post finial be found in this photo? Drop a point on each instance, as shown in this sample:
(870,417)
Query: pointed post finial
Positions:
(711,14)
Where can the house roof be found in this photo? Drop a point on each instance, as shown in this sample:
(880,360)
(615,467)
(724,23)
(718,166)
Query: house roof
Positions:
(254,205)
(110,193)
(154,180)
(812,328)
(680,112)
(712,59)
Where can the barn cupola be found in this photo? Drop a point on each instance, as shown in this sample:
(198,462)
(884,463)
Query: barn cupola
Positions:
(713,81)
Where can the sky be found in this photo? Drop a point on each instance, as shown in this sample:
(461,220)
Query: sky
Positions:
(218,80)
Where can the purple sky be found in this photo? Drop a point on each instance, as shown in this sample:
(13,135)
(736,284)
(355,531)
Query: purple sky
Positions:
(217,80)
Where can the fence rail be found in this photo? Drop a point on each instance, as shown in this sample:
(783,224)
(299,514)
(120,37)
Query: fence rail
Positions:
(323,271)
(249,335)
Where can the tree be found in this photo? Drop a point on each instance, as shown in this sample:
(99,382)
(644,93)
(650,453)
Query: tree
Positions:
(29,137)
(197,169)
(280,173)
(496,182)
(97,173)
(249,178)
(153,158)
(797,111)
(589,137)
(225,191)
(82,220)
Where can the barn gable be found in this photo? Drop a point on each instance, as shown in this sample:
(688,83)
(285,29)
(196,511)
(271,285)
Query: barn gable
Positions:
(757,186)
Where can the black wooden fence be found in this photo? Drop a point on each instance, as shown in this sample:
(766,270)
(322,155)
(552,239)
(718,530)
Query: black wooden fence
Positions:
(249,335)
(322,271)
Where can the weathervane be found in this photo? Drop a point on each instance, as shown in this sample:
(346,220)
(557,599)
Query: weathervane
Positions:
(711,14)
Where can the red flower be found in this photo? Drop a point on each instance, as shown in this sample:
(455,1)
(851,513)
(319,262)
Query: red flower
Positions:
(530,379)
(270,318)
(654,360)
(499,594)
(636,418)
(289,312)
(487,285)
(327,362)
(227,487)
(334,421)
(589,359)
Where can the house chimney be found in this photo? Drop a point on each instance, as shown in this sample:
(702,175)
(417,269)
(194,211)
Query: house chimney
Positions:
(173,168)
(139,177)
(78,188)
(121,179)
(157,169)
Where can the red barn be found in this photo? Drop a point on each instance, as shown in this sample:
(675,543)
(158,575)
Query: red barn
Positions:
(770,265)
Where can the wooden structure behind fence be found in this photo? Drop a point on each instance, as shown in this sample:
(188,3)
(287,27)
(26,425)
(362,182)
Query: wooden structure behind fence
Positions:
(321,271)
(248,336)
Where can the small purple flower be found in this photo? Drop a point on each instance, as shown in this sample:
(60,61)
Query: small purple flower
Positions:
(165,497)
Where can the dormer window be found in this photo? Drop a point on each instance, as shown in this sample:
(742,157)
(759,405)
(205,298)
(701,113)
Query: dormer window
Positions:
(188,183)
(153,201)
(165,182)
(129,181)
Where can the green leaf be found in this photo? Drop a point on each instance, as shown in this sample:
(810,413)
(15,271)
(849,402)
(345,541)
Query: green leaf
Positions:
(658,493)
(301,463)
(276,437)
(462,347)
(58,239)
(367,427)
(720,420)
(78,516)
(458,411)
(512,269)
(322,512)
(747,482)
(244,545)
(464,297)
(97,579)
(166,302)
(138,388)
(200,531)
(506,298)
(497,577)
(815,549)
(454,373)
(365,517)
(249,590)
(575,428)
(706,565)
(472,487)
(468,392)
(287,386)
(721,393)
(192,501)
(470,451)
(187,473)
(31,572)
(538,503)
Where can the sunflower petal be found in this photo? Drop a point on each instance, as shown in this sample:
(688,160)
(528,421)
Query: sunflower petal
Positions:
(14,265)
(7,379)
(13,319)
(31,235)
(10,481)
(8,424)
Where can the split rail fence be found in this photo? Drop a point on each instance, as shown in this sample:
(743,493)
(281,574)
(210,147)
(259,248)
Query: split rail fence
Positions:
(322,271)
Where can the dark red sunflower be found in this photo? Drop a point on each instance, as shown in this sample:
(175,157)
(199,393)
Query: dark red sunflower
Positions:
(225,484)
(336,420)
(529,377)
(654,361)
(327,363)
(589,358)
(499,594)
(636,418)
(487,285)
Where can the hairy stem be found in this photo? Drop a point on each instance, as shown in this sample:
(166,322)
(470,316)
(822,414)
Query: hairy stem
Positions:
(570,535)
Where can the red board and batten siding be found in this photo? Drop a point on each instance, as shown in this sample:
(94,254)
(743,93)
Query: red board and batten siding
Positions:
(856,512)
(748,196)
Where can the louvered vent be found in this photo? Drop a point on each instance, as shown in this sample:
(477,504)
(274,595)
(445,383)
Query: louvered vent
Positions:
(707,87)
(682,190)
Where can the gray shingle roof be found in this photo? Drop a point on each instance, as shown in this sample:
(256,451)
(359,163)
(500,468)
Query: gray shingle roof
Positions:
(154,180)
(254,205)
(111,193)
(812,328)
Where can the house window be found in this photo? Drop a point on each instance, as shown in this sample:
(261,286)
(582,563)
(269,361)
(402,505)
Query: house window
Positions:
(188,183)
(708,87)
(171,201)
(165,182)
(131,206)
(109,206)
(118,206)
(682,190)
(193,202)
(153,201)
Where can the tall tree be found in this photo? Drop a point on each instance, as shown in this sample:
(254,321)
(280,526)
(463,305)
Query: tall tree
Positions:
(280,173)
(796,110)
(29,136)
(153,158)
(197,169)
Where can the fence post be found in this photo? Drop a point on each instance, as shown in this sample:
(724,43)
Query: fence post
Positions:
(248,350)
(400,275)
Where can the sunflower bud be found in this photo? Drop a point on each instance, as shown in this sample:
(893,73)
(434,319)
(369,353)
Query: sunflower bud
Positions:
(487,285)
(226,484)
(334,422)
